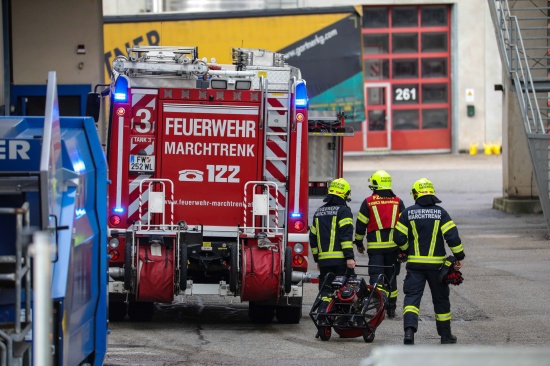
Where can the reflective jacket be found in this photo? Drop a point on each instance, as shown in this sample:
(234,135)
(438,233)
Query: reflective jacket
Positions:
(377,218)
(422,231)
(331,234)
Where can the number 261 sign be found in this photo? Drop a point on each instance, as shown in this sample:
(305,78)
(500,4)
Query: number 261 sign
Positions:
(404,95)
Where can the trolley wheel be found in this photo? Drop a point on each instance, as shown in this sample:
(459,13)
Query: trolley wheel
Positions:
(117,311)
(183,269)
(141,311)
(324,333)
(233,274)
(128,262)
(368,336)
(261,314)
(288,270)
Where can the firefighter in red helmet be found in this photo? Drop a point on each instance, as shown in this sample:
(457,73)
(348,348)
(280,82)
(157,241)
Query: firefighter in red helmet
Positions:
(377,217)
(422,231)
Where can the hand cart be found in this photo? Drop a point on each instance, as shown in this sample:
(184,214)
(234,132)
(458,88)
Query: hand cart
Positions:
(354,308)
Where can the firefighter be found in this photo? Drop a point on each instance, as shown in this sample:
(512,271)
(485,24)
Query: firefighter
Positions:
(422,231)
(377,217)
(331,237)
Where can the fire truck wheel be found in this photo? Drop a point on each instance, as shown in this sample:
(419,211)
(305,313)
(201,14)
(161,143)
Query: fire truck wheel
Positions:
(288,314)
(128,262)
(288,270)
(141,311)
(234,270)
(261,314)
(117,311)
(183,270)
(324,333)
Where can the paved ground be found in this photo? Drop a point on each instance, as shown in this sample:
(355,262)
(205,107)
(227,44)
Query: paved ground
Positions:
(502,303)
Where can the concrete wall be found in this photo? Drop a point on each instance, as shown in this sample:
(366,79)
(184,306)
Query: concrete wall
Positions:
(45,37)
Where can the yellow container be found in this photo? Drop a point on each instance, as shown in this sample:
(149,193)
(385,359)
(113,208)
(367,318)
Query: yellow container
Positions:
(488,149)
(496,148)
(473,148)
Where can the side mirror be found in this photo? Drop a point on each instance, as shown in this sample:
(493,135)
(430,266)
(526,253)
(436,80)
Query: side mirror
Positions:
(93,104)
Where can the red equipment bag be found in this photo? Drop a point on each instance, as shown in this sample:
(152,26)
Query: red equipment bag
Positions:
(261,273)
(155,280)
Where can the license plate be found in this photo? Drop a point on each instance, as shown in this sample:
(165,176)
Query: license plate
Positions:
(142,163)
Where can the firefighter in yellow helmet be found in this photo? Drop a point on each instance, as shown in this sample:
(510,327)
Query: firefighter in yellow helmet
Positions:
(422,231)
(331,237)
(375,222)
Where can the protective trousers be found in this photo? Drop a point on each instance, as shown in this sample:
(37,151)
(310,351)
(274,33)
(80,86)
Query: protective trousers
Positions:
(377,263)
(413,287)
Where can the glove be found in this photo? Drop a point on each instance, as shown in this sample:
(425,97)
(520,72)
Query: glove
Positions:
(402,257)
(360,246)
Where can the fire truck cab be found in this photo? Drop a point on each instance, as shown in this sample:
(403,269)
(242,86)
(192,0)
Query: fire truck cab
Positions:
(209,191)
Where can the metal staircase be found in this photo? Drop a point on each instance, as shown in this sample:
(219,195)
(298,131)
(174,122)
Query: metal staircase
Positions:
(523,40)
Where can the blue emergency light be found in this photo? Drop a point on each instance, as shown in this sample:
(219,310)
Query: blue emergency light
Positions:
(118,210)
(121,89)
(295,215)
(301,94)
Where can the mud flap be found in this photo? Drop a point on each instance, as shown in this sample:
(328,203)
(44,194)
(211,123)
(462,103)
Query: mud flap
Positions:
(261,274)
(155,281)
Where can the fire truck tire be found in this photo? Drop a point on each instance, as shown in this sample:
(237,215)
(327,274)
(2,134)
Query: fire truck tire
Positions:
(288,314)
(128,263)
(117,311)
(183,270)
(288,270)
(324,333)
(234,271)
(141,311)
(261,314)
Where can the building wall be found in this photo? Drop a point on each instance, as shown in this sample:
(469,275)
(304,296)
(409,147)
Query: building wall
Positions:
(45,37)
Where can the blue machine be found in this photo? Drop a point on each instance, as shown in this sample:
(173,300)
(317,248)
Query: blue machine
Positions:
(53,179)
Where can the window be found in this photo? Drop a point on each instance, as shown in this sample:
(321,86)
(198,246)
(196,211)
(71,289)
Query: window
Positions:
(434,93)
(405,68)
(375,17)
(405,43)
(376,96)
(374,44)
(434,42)
(435,118)
(434,67)
(377,120)
(377,69)
(405,119)
(404,16)
(434,16)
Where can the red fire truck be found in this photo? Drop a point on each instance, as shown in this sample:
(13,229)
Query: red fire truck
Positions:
(209,180)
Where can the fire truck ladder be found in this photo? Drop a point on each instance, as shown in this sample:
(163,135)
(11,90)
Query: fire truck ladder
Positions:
(14,276)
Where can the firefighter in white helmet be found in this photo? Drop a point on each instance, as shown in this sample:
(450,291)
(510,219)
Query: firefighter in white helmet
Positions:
(331,236)
(375,222)
(422,231)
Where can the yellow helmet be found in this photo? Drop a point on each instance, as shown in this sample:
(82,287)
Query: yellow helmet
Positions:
(422,187)
(380,180)
(340,187)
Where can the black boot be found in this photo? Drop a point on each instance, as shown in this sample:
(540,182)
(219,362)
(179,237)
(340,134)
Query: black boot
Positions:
(391,313)
(409,336)
(448,339)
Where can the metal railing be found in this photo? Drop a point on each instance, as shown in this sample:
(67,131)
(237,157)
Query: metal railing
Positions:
(523,42)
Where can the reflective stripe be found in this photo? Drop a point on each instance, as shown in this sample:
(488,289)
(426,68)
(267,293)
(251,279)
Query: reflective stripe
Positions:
(435,231)
(404,247)
(381,244)
(330,255)
(364,219)
(411,309)
(313,229)
(394,294)
(332,232)
(415,235)
(443,317)
(381,288)
(377,217)
(378,236)
(448,226)
(346,221)
(359,236)
(426,259)
(394,216)
(457,249)
(347,244)
(402,228)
